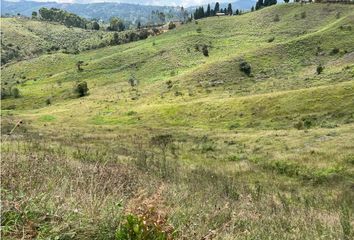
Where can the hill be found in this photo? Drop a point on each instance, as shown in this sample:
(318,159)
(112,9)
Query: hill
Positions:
(226,127)
(24,38)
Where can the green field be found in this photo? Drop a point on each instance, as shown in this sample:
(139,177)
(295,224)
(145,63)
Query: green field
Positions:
(197,148)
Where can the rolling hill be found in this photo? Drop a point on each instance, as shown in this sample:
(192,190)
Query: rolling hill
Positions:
(263,153)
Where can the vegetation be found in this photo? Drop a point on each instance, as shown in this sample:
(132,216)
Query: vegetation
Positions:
(171,144)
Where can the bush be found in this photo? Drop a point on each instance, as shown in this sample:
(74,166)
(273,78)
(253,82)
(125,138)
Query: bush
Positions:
(171,26)
(81,89)
(319,69)
(303,15)
(276,18)
(271,39)
(199,30)
(205,50)
(15,92)
(138,229)
(245,67)
(334,51)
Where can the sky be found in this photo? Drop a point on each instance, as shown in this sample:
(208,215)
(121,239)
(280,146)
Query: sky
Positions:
(185,3)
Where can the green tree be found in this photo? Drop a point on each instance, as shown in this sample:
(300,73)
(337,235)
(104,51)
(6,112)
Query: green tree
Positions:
(95,26)
(116,24)
(34,15)
(208,12)
(216,8)
(229,9)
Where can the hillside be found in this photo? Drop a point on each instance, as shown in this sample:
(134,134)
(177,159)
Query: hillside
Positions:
(264,155)
(24,39)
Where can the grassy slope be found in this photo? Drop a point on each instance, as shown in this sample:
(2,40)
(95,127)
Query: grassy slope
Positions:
(226,123)
(31,38)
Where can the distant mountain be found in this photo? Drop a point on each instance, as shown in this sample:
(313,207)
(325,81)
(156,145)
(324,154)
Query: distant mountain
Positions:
(104,11)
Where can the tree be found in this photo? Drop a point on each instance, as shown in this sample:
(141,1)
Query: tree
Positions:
(319,69)
(229,9)
(139,25)
(116,24)
(208,12)
(286,1)
(34,15)
(252,8)
(237,12)
(81,89)
(216,8)
(162,142)
(259,4)
(95,26)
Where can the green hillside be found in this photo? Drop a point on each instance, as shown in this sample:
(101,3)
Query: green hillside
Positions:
(265,155)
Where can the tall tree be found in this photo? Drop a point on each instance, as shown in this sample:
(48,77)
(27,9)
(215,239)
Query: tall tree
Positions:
(229,9)
(217,8)
(208,12)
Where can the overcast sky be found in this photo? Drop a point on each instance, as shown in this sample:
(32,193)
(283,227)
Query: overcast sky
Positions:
(147,2)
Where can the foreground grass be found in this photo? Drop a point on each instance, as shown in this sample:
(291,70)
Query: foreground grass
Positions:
(197,148)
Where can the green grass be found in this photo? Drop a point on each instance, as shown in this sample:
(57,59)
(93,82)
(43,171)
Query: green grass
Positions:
(265,156)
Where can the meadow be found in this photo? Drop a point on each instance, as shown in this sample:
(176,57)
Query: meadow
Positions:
(174,143)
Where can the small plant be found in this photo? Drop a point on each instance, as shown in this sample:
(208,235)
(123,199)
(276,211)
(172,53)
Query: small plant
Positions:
(338,15)
(205,50)
(303,15)
(15,92)
(199,30)
(78,65)
(81,89)
(299,125)
(334,51)
(136,228)
(319,69)
(276,18)
(245,67)
(48,101)
(271,39)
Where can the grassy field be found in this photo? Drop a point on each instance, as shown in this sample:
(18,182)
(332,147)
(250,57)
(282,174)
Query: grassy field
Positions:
(196,148)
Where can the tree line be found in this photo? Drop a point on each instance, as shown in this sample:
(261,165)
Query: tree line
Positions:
(200,12)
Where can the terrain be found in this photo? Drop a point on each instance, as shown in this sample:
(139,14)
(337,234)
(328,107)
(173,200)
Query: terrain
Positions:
(175,132)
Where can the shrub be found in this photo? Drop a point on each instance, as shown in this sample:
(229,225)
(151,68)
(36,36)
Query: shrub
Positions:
(334,51)
(199,30)
(245,67)
(15,92)
(205,51)
(276,18)
(171,25)
(271,39)
(319,69)
(303,15)
(299,125)
(48,101)
(81,89)
(137,228)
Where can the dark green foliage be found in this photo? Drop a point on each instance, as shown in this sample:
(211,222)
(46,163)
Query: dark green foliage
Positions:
(205,50)
(139,25)
(135,228)
(171,25)
(81,89)
(95,26)
(252,8)
(334,51)
(303,15)
(217,8)
(15,92)
(319,69)
(271,39)
(229,9)
(245,67)
(276,18)
(286,1)
(34,15)
(208,12)
(79,64)
(116,24)
(61,16)
(199,13)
